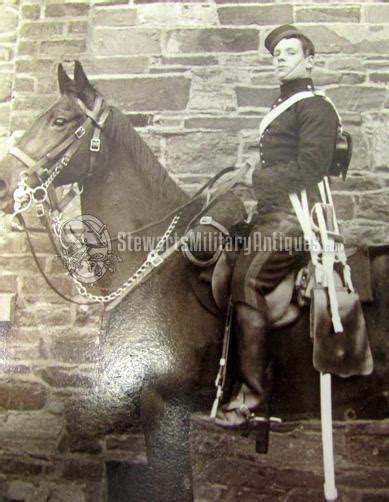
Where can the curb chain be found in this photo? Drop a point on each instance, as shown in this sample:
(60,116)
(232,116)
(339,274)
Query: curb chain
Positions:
(154,259)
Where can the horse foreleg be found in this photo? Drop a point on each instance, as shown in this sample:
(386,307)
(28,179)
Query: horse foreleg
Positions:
(166,426)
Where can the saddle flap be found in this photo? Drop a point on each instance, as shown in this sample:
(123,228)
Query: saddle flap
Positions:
(343,354)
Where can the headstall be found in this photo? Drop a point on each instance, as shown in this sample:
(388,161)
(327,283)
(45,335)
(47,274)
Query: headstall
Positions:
(46,171)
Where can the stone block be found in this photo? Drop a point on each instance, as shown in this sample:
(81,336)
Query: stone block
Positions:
(190,61)
(176,14)
(12,243)
(357,182)
(374,206)
(6,53)
(259,15)
(43,30)
(75,349)
(24,467)
(47,85)
(350,63)
(375,497)
(78,27)
(328,14)
(68,9)
(379,77)
(368,450)
(43,65)
(62,49)
(141,119)
(360,232)
(324,77)
(209,92)
(134,41)
(30,11)
(19,490)
(264,77)
(228,123)
(114,17)
(5,87)
(142,94)
(60,377)
(24,84)
(7,307)
(33,102)
(376,13)
(201,152)
(116,65)
(212,40)
(23,396)
(8,283)
(110,2)
(375,133)
(359,477)
(44,315)
(256,97)
(87,314)
(344,38)
(8,20)
(357,98)
(36,285)
(352,78)
(81,469)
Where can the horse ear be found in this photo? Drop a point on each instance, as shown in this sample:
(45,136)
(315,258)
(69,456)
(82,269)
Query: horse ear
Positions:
(65,83)
(84,88)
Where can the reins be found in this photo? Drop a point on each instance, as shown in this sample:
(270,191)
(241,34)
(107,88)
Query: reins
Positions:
(44,194)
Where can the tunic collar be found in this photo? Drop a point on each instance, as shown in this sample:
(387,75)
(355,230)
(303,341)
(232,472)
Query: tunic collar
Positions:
(293,86)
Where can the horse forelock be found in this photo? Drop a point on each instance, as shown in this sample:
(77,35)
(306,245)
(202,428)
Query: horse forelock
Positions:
(143,161)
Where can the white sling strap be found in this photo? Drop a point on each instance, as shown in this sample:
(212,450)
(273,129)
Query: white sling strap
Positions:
(276,112)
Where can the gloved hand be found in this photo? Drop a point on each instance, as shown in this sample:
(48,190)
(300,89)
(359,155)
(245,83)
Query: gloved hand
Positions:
(204,241)
(240,229)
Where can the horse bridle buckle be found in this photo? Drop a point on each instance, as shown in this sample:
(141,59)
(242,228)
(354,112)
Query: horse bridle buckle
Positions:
(80,132)
(95,145)
(65,161)
(154,259)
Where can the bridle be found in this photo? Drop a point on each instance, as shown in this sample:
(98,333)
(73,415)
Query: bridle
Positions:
(46,171)
(44,195)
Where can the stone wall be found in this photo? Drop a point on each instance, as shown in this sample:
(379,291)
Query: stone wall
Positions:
(195,80)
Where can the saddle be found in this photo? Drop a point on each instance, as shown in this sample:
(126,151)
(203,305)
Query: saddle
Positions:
(212,288)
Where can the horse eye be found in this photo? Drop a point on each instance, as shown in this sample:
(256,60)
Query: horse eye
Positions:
(60,121)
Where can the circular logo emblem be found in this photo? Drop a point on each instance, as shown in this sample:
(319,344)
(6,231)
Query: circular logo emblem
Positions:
(86,247)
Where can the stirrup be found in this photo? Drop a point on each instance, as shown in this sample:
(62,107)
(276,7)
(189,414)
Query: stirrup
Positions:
(259,428)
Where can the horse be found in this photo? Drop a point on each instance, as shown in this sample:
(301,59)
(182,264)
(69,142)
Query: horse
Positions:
(159,346)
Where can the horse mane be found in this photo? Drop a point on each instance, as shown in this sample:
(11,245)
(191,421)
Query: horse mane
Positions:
(145,162)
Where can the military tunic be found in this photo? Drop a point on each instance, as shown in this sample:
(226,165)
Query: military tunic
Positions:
(296,151)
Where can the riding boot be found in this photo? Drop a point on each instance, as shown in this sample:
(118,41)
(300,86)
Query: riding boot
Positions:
(253,366)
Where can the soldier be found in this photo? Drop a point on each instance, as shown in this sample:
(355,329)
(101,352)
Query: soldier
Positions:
(296,150)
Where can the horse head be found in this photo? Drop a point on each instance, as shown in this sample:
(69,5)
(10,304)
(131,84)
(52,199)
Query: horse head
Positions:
(80,139)
(46,140)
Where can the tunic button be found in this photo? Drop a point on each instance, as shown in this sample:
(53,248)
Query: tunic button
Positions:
(263,161)
(309,86)
(279,99)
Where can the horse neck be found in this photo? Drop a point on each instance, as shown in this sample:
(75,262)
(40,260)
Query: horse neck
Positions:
(132,189)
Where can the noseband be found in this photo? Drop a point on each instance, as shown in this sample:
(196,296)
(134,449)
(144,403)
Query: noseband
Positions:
(46,171)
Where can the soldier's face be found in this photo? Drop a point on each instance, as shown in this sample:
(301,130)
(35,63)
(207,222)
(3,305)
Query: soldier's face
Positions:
(289,60)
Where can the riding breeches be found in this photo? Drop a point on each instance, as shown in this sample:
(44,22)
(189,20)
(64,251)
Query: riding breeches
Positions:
(264,260)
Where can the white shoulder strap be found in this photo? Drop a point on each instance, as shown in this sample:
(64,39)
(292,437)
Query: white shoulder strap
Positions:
(323,95)
(276,112)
